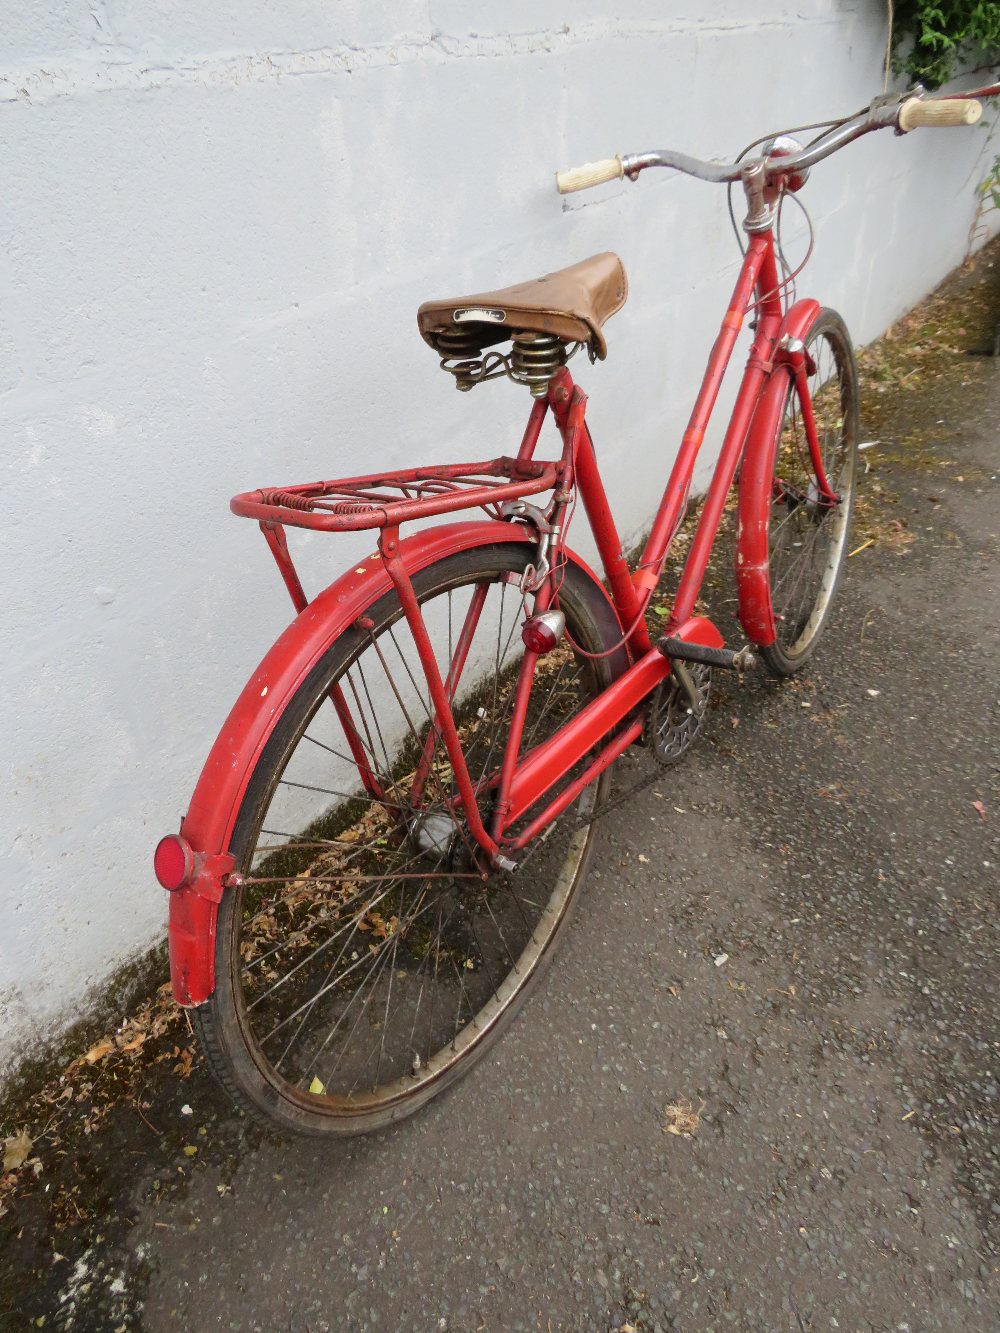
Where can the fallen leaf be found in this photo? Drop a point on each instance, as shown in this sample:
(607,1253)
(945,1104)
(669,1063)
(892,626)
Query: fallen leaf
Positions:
(644,859)
(186,1062)
(16,1150)
(99,1051)
(317,1086)
(190,1150)
(681,1118)
(980,809)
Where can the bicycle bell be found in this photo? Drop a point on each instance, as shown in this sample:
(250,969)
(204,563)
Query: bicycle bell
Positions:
(783,145)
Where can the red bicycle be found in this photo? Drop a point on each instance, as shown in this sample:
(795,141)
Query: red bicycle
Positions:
(388,835)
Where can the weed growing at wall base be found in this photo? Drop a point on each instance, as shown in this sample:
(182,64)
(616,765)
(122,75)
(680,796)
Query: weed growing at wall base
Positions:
(933,39)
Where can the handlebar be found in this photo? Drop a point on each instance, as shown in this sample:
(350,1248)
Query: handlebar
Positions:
(903,115)
(939,112)
(591,173)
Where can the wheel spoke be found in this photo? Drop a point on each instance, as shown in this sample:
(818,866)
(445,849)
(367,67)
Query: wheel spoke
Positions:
(372,942)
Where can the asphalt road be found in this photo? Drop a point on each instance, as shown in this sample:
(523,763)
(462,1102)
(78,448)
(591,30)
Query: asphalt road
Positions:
(795,932)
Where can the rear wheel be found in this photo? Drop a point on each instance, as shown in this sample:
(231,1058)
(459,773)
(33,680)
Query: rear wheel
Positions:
(807,535)
(366,963)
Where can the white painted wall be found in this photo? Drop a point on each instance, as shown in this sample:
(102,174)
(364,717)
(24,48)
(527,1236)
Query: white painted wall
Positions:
(216,224)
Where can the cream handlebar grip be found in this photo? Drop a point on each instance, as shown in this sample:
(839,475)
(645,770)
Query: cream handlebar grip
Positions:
(941,112)
(591,173)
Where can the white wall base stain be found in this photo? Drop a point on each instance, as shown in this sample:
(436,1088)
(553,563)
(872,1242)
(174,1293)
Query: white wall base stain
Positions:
(217,225)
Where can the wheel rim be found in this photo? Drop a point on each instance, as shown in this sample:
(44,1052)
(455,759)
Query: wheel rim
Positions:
(806,537)
(368,954)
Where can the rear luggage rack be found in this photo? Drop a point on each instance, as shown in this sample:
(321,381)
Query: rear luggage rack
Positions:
(386,499)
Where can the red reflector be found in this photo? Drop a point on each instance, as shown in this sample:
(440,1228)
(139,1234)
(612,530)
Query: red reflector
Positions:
(173,862)
(537,636)
(542,633)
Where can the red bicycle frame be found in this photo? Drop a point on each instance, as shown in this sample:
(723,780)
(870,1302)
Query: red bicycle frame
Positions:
(608,724)
(523,782)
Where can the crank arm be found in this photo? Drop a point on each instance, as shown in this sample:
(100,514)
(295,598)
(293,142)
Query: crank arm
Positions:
(679,650)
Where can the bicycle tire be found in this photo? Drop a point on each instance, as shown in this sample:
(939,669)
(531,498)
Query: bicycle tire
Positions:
(807,541)
(230,1035)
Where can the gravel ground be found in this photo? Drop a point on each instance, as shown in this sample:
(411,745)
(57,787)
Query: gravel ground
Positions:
(795,933)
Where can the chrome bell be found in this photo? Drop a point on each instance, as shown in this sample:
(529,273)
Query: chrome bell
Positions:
(783,145)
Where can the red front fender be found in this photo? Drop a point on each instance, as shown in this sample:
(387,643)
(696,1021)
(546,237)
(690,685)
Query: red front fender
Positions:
(207,826)
(752,576)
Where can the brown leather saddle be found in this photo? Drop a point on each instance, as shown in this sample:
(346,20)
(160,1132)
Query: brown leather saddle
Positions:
(572,304)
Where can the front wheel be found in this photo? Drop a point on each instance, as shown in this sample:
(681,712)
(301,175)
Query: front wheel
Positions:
(366,960)
(807,533)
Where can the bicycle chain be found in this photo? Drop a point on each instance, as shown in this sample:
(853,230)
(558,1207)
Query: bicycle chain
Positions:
(584,821)
(686,730)
(662,761)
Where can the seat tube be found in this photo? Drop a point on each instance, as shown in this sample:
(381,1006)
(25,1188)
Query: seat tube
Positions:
(569,402)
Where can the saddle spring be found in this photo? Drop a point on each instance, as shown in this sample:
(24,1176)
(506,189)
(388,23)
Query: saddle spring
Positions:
(462,356)
(533,358)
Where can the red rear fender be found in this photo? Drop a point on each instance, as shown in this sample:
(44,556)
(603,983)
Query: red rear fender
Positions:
(208,824)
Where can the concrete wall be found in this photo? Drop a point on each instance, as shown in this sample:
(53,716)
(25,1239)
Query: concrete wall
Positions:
(216,225)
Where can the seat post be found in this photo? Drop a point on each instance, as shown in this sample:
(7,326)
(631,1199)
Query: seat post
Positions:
(533,429)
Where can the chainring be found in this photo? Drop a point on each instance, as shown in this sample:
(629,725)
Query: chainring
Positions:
(671,723)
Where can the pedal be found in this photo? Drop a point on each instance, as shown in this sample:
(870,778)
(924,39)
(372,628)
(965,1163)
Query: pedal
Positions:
(681,651)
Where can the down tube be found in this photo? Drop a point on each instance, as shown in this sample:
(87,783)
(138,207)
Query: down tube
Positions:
(757,370)
(675,496)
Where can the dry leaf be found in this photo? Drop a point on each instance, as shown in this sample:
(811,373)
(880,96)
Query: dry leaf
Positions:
(681,1118)
(16,1150)
(99,1051)
(980,809)
(185,1064)
(135,1043)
